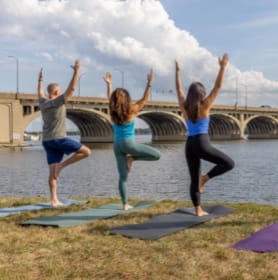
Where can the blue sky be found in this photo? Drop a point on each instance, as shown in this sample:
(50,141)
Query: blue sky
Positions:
(133,36)
(246,29)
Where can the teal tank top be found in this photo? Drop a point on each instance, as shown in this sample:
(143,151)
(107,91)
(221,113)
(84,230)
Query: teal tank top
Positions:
(200,127)
(124,131)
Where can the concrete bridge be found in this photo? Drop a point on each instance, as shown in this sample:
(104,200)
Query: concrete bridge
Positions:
(92,118)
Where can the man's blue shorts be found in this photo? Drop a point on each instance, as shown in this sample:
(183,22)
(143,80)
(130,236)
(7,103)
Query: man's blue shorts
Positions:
(57,148)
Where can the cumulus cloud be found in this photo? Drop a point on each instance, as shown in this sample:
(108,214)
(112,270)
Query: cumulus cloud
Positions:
(133,35)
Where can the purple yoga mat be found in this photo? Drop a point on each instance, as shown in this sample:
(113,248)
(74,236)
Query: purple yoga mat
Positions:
(265,240)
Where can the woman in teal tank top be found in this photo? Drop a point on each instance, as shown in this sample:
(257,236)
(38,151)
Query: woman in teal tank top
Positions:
(126,150)
(195,109)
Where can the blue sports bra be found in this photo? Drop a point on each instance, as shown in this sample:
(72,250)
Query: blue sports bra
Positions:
(124,131)
(200,127)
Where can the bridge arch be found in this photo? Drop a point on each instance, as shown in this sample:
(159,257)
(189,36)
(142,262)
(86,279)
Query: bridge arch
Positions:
(94,126)
(261,127)
(224,126)
(26,121)
(165,126)
(29,118)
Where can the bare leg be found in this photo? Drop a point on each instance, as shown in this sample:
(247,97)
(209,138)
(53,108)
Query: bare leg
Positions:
(203,181)
(82,153)
(200,212)
(127,207)
(53,186)
(129,160)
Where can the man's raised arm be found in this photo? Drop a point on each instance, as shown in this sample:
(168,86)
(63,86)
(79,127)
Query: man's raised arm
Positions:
(74,80)
(40,84)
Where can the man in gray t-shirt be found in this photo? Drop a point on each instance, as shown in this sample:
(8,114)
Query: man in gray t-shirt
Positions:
(55,140)
(54,117)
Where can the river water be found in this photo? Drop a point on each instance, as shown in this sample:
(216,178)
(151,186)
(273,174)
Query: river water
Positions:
(254,178)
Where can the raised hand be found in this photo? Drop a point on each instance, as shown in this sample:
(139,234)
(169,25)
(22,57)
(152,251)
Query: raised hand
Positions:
(177,66)
(224,60)
(150,76)
(41,74)
(76,65)
(108,78)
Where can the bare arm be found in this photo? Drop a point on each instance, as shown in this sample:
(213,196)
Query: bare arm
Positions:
(139,105)
(218,83)
(108,81)
(180,91)
(74,80)
(40,84)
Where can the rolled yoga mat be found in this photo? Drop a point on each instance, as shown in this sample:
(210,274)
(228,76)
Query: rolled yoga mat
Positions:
(166,224)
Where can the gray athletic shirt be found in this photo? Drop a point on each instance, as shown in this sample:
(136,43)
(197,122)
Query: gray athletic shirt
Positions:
(54,117)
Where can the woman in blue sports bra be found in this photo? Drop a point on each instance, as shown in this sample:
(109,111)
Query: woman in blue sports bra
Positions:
(195,109)
(126,150)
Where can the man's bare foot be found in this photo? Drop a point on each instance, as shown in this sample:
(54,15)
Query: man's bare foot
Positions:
(203,181)
(129,161)
(57,170)
(127,207)
(57,204)
(200,212)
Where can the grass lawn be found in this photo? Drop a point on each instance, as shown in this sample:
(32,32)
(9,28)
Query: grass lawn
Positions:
(89,252)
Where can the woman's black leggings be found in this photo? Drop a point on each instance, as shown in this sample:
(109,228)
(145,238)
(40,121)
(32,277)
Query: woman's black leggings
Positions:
(198,147)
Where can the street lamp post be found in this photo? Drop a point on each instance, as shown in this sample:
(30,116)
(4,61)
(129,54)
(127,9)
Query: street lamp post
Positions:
(245,93)
(17,73)
(236,101)
(79,78)
(122,74)
(245,96)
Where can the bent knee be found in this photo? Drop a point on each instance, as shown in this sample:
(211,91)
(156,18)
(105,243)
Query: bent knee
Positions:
(157,156)
(231,164)
(86,151)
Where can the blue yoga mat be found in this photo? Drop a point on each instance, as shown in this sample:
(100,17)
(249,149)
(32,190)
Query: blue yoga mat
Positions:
(264,240)
(35,207)
(85,216)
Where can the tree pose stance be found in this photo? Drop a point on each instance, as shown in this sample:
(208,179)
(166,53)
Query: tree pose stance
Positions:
(54,140)
(126,150)
(195,109)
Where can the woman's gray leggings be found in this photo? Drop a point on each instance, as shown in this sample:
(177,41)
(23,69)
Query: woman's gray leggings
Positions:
(138,151)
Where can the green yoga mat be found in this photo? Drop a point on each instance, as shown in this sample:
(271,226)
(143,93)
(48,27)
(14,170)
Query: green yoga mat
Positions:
(36,207)
(85,216)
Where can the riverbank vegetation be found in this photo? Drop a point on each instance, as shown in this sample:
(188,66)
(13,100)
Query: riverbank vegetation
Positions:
(89,252)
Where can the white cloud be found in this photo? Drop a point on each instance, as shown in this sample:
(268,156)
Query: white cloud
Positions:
(46,55)
(133,34)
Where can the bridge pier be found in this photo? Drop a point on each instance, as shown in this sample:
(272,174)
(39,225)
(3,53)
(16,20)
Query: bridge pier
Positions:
(11,122)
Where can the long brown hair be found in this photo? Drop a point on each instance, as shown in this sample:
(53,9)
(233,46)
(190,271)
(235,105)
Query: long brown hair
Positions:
(194,99)
(120,105)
